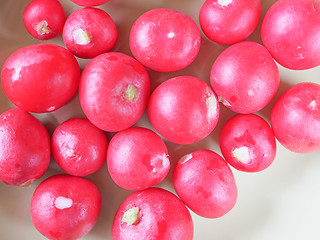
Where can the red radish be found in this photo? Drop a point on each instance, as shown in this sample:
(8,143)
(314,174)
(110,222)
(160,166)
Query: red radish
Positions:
(89,3)
(248,143)
(229,21)
(65,207)
(205,183)
(245,77)
(25,148)
(89,32)
(165,40)
(114,91)
(40,78)
(44,19)
(153,213)
(79,147)
(184,109)
(137,159)
(290,31)
(295,118)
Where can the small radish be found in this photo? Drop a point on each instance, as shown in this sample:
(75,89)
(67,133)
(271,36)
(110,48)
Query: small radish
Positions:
(65,207)
(153,213)
(25,148)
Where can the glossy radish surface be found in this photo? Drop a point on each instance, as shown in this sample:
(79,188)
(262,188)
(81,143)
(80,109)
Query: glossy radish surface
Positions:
(89,3)
(44,19)
(290,31)
(183,109)
(245,77)
(223,22)
(153,213)
(79,147)
(65,207)
(295,118)
(247,143)
(25,148)
(137,158)
(89,32)
(40,78)
(114,91)
(205,183)
(109,102)
(165,40)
